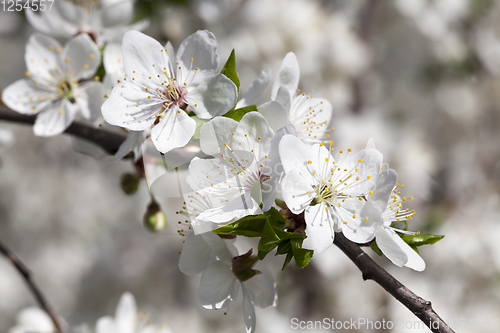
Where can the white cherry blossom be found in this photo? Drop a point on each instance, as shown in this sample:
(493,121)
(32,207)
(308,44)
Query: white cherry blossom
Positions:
(161,88)
(33,320)
(208,254)
(331,191)
(245,170)
(309,115)
(383,209)
(56,89)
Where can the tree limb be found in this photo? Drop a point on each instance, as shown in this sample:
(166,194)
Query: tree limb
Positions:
(25,273)
(371,271)
(109,141)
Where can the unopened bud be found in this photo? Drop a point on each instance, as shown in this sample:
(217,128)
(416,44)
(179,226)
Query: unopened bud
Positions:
(154,219)
(129,183)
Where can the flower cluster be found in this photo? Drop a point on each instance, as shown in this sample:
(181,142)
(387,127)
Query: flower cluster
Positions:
(268,170)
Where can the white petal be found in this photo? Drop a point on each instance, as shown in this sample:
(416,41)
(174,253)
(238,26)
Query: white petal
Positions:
(311,117)
(126,313)
(213,97)
(297,191)
(218,286)
(35,319)
(262,287)
(128,106)
(415,261)
(196,255)
(174,130)
(170,51)
(117,14)
(231,211)
(248,311)
(256,89)
(319,228)
(82,57)
(288,75)
(134,139)
(71,12)
(294,155)
(357,229)
(202,48)
(275,114)
(224,251)
(113,60)
(254,134)
(23,96)
(383,189)
(215,133)
(206,173)
(140,53)
(390,244)
(106,325)
(368,171)
(285,99)
(42,57)
(55,120)
(51,23)
(90,99)
(371,144)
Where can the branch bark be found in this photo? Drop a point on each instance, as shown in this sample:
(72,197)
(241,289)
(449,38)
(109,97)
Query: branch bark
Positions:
(371,271)
(109,141)
(40,298)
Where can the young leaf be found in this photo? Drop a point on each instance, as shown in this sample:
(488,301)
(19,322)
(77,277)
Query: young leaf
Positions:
(419,240)
(229,70)
(376,249)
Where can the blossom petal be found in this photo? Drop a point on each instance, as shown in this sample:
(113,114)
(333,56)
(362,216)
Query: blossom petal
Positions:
(90,99)
(415,261)
(311,117)
(119,13)
(319,228)
(128,106)
(42,57)
(113,59)
(23,96)
(253,134)
(262,287)
(82,56)
(196,255)
(218,286)
(56,119)
(275,114)
(125,314)
(356,229)
(297,191)
(174,130)
(197,51)
(368,171)
(213,97)
(144,57)
(383,189)
(294,155)
(284,98)
(134,138)
(215,133)
(34,319)
(205,174)
(51,23)
(256,89)
(106,325)
(248,311)
(233,210)
(390,244)
(288,75)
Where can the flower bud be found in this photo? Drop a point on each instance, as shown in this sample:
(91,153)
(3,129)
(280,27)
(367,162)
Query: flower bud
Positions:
(154,219)
(129,183)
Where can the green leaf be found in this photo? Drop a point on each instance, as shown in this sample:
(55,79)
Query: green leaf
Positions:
(376,249)
(249,226)
(199,123)
(229,70)
(302,256)
(402,222)
(288,258)
(419,240)
(239,113)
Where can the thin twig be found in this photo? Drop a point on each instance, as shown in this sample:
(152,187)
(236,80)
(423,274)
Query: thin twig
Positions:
(109,141)
(371,271)
(40,298)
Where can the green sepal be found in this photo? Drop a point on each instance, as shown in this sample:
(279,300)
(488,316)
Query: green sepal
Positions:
(229,70)
(237,114)
(375,248)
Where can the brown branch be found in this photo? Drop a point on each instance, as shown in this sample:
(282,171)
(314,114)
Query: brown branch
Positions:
(25,273)
(109,141)
(371,271)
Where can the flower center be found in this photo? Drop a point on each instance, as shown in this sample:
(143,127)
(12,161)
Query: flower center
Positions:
(65,90)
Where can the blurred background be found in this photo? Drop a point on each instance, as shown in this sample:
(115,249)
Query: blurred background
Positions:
(421,77)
